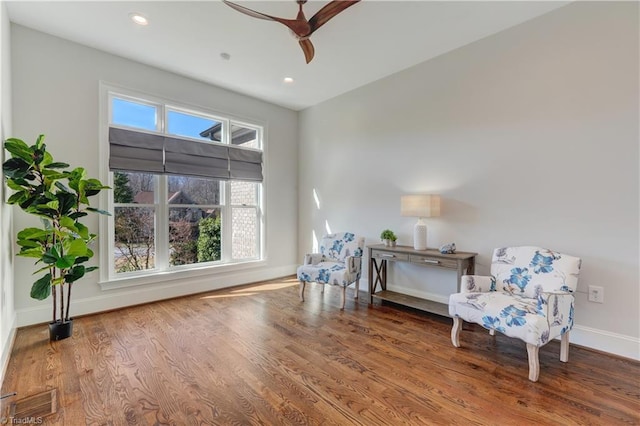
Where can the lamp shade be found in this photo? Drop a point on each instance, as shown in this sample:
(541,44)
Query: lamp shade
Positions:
(420,205)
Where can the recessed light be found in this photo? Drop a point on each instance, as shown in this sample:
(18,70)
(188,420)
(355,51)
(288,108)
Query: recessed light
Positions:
(288,80)
(138,18)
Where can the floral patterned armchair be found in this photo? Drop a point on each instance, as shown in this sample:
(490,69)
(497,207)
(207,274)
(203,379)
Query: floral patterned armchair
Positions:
(529,296)
(338,263)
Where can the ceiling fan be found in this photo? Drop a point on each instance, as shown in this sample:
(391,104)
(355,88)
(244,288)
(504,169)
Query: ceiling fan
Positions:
(300,26)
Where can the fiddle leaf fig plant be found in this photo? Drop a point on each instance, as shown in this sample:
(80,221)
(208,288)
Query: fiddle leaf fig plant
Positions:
(60,198)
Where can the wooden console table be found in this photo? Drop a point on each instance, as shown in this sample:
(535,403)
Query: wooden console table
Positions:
(380,255)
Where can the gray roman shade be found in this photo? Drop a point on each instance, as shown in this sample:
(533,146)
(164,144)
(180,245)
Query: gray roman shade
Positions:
(184,157)
(245,164)
(144,152)
(135,151)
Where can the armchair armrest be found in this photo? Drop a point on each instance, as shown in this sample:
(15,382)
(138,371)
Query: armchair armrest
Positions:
(313,258)
(477,284)
(353,264)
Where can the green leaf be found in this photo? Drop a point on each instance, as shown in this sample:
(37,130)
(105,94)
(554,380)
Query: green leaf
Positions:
(91,209)
(18,148)
(40,142)
(75,274)
(65,262)
(17,198)
(36,253)
(51,256)
(41,289)
(82,230)
(16,168)
(26,244)
(75,248)
(67,222)
(53,175)
(67,202)
(32,234)
(53,205)
(11,183)
(77,215)
(57,165)
(90,268)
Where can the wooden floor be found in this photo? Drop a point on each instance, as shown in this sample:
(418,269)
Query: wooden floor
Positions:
(256,355)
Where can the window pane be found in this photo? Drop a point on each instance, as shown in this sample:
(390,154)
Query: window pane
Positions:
(244,193)
(133,114)
(137,188)
(194,235)
(244,136)
(182,124)
(189,190)
(244,238)
(134,238)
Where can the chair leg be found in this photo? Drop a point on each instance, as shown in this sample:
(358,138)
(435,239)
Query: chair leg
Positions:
(357,289)
(564,347)
(302,284)
(344,294)
(455,331)
(534,364)
(322,288)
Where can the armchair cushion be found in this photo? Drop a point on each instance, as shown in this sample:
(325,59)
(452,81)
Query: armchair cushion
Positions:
(531,320)
(335,273)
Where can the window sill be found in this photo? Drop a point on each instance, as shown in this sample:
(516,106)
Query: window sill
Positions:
(164,276)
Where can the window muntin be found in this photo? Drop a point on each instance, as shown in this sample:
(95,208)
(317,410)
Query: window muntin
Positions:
(186,220)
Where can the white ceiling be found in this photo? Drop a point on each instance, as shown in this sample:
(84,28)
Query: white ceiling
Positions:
(364,43)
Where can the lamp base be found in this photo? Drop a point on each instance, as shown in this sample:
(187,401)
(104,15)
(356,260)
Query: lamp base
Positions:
(420,235)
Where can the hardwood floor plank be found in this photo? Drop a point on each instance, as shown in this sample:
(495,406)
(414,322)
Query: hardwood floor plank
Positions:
(255,355)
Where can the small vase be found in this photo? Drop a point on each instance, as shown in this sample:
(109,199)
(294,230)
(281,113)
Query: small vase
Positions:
(60,330)
(392,243)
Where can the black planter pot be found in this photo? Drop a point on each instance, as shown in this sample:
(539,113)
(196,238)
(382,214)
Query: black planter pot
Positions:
(60,330)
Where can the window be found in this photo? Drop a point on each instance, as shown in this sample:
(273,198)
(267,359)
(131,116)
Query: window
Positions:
(187,188)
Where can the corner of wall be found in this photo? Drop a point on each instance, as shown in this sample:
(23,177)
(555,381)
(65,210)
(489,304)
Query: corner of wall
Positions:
(7,308)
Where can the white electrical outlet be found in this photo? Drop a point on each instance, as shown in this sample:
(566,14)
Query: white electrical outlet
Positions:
(596,294)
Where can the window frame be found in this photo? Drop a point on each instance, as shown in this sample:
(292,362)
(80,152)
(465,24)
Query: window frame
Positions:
(162,270)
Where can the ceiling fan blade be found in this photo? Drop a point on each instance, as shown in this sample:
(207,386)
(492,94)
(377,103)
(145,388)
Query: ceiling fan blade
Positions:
(307,48)
(329,11)
(300,28)
(249,12)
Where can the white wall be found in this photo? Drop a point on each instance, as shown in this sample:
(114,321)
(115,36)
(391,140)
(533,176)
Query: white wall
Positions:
(55,92)
(7,311)
(531,138)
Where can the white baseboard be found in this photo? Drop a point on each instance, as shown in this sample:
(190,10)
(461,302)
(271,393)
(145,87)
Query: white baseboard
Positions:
(6,348)
(120,298)
(606,341)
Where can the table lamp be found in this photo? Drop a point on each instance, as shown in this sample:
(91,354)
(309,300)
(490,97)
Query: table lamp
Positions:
(420,206)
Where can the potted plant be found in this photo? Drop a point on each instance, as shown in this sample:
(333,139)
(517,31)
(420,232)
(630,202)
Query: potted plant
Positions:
(45,188)
(388,238)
